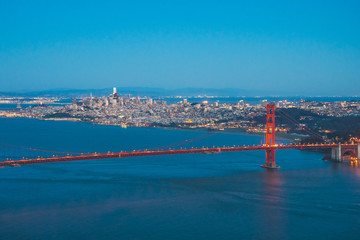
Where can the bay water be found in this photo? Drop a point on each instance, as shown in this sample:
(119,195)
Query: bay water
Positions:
(203,196)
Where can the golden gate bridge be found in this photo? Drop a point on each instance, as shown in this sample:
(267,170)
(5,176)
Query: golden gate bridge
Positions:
(339,151)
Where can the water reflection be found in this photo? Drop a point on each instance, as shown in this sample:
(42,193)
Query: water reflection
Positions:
(351,167)
(273,204)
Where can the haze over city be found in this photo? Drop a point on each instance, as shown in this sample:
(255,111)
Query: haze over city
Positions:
(282,47)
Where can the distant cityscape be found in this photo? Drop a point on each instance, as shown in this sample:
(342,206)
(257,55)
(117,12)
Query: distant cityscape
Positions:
(126,111)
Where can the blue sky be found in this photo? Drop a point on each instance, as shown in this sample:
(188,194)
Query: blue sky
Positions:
(290,47)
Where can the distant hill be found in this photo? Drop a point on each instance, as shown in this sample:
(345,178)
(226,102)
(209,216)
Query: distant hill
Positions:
(141,91)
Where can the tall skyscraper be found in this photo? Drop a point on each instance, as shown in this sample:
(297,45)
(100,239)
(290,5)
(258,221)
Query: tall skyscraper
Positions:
(114,90)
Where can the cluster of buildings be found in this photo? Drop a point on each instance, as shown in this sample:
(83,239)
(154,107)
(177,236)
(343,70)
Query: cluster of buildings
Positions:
(135,111)
(29,100)
(329,109)
(127,111)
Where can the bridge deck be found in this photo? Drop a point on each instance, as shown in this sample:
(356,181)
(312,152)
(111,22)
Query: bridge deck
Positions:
(165,152)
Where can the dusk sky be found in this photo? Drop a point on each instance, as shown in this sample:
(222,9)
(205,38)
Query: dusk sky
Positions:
(293,47)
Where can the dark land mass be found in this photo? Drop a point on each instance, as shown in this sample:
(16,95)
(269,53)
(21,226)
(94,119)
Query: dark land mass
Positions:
(341,128)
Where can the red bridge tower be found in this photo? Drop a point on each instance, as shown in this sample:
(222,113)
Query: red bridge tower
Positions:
(270,137)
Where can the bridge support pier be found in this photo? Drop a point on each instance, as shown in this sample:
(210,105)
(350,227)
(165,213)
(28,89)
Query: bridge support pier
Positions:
(336,154)
(339,157)
(333,153)
(270,159)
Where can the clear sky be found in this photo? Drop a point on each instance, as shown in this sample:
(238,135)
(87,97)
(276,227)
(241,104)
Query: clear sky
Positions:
(300,47)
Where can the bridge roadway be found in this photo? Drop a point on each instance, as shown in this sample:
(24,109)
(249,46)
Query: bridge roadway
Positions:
(142,153)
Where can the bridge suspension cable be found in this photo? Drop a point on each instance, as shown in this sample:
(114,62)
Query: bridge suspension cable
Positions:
(305,128)
(187,141)
(37,150)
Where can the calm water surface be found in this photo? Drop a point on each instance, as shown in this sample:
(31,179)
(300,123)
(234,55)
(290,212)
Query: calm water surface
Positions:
(216,196)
